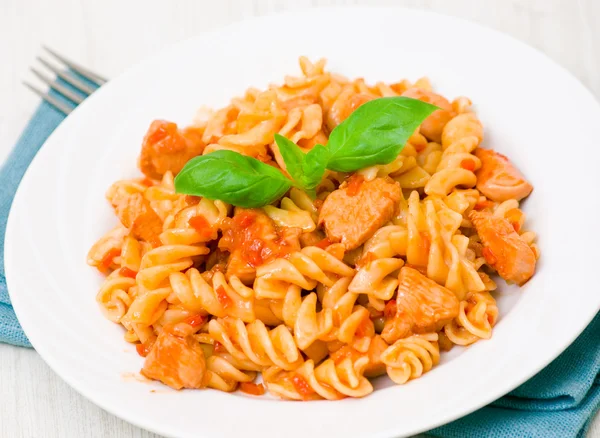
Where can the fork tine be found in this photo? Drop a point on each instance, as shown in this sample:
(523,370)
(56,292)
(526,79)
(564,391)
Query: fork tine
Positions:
(58,87)
(66,77)
(61,106)
(94,77)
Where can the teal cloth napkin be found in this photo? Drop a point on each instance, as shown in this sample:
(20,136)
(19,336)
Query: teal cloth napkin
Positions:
(558,402)
(44,121)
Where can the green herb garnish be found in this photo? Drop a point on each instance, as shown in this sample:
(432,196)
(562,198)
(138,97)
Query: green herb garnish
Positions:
(373,134)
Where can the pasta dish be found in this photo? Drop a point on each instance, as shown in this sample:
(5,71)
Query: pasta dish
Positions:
(318,233)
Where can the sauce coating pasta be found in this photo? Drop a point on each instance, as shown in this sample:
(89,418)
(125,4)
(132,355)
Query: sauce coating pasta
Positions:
(386,268)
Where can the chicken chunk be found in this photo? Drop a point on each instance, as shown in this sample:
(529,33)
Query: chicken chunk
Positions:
(165,147)
(433,126)
(135,213)
(353,214)
(498,179)
(176,361)
(422,306)
(345,104)
(503,248)
(252,239)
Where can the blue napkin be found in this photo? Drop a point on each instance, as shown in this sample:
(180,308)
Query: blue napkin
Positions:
(44,121)
(558,402)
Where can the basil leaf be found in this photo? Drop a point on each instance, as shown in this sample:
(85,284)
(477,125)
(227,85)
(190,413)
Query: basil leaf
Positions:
(313,168)
(375,132)
(292,156)
(305,169)
(233,178)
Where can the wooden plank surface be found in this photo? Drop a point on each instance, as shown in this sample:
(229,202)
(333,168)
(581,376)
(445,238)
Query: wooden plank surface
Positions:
(110,35)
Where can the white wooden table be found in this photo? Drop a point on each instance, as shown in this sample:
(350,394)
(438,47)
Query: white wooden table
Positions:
(109,35)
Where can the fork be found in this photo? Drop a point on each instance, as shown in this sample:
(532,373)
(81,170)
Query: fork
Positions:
(85,90)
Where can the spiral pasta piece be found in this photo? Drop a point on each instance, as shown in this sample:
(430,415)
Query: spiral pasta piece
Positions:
(290,215)
(477,316)
(328,380)
(255,344)
(195,224)
(457,164)
(159,263)
(351,323)
(217,297)
(303,268)
(224,376)
(113,296)
(410,358)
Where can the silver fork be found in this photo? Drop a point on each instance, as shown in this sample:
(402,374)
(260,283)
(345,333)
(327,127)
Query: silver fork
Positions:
(60,72)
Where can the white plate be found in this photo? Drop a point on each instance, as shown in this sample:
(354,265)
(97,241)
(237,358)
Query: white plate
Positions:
(532,110)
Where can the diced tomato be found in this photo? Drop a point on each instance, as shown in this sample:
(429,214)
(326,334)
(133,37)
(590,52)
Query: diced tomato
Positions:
(195,320)
(468,165)
(201,225)
(482,205)
(489,256)
(107,260)
(346,351)
(302,386)
(147,182)
(354,184)
(223,297)
(144,348)
(318,203)
(252,388)
(126,272)
(192,200)
(254,252)
(420,146)
(218,347)
(246,219)
(324,243)
(389,310)
(516,226)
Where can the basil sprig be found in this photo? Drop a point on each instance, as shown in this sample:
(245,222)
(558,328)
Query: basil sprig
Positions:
(306,170)
(375,133)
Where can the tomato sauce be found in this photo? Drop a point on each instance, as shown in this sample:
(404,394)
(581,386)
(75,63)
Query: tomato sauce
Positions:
(252,236)
(126,272)
(108,258)
(201,225)
(223,298)
(354,183)
(468,165)
(302,386)
(252,388)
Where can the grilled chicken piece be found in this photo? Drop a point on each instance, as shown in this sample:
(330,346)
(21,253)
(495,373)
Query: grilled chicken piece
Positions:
(353,214)
(498,179)
(503,248)
(176,361)
(167,148)
(135,213)
(422,306)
